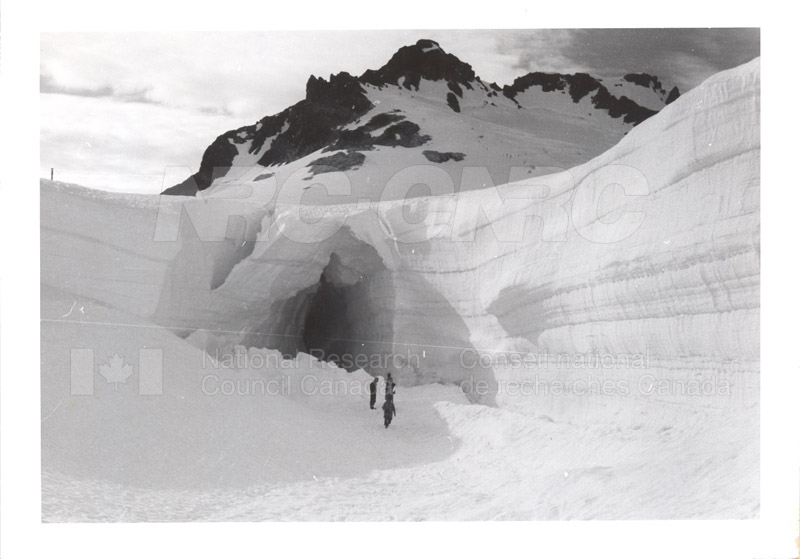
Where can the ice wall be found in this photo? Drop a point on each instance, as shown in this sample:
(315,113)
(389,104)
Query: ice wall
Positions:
(101,246)
(652,247)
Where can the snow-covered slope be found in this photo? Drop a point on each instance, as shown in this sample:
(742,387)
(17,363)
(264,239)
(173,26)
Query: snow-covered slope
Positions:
(255,419)
(659,289)
(425,107)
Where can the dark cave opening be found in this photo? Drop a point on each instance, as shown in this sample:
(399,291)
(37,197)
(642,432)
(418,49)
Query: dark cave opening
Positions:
(344,322)
(327,328)
(359,314)
(345,318)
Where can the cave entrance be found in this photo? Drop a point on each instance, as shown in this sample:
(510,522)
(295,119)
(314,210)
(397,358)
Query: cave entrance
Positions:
(348,321)
(345,318)
(359,314)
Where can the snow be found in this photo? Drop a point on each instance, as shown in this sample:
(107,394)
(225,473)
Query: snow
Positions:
(434,46)
(280,424)
(669,294)
(549,133)
(114,259)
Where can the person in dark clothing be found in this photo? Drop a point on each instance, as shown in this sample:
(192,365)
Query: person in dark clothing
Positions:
(389,385)
(373,391)
(389,411)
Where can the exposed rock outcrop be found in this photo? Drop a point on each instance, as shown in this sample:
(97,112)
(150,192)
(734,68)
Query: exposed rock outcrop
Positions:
(443,157)
(579,86)
(424,60)
(421,96)
(338,162)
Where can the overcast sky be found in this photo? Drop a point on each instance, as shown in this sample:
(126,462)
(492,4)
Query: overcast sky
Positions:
(133,112)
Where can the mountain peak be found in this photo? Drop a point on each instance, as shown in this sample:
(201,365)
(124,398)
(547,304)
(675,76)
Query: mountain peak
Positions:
(424,60)
(340,89)
(373,125)
(427,45)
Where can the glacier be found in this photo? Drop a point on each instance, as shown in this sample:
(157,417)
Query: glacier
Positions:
(631,281)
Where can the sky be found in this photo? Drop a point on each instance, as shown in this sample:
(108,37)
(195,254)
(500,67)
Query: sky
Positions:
(133,112)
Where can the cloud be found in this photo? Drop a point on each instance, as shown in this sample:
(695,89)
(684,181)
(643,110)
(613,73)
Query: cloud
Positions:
(543,50)
(245,74)
(104,143)
(48,85)
(682,57)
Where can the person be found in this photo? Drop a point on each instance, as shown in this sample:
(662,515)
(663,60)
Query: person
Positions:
(389,411)
(389,385)
(373,391)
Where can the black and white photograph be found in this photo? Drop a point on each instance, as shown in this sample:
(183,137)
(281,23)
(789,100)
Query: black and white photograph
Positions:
(550,284)
(399,275)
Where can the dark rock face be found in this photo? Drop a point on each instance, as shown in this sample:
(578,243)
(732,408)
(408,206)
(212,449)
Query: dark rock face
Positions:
(361,138)
(645,80)
(381,120)
(652,82)
(186,188)
(270,126)
(337,162)
(547,82)
(579,86)
(303,128)
(404,134)
(630,112)
(313,123)
(217,159)
(456,89)
(424,60)
(452,102)
(673,95)
(443,157)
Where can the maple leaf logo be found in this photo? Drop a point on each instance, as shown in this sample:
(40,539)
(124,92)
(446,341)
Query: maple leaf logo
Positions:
(116,371)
